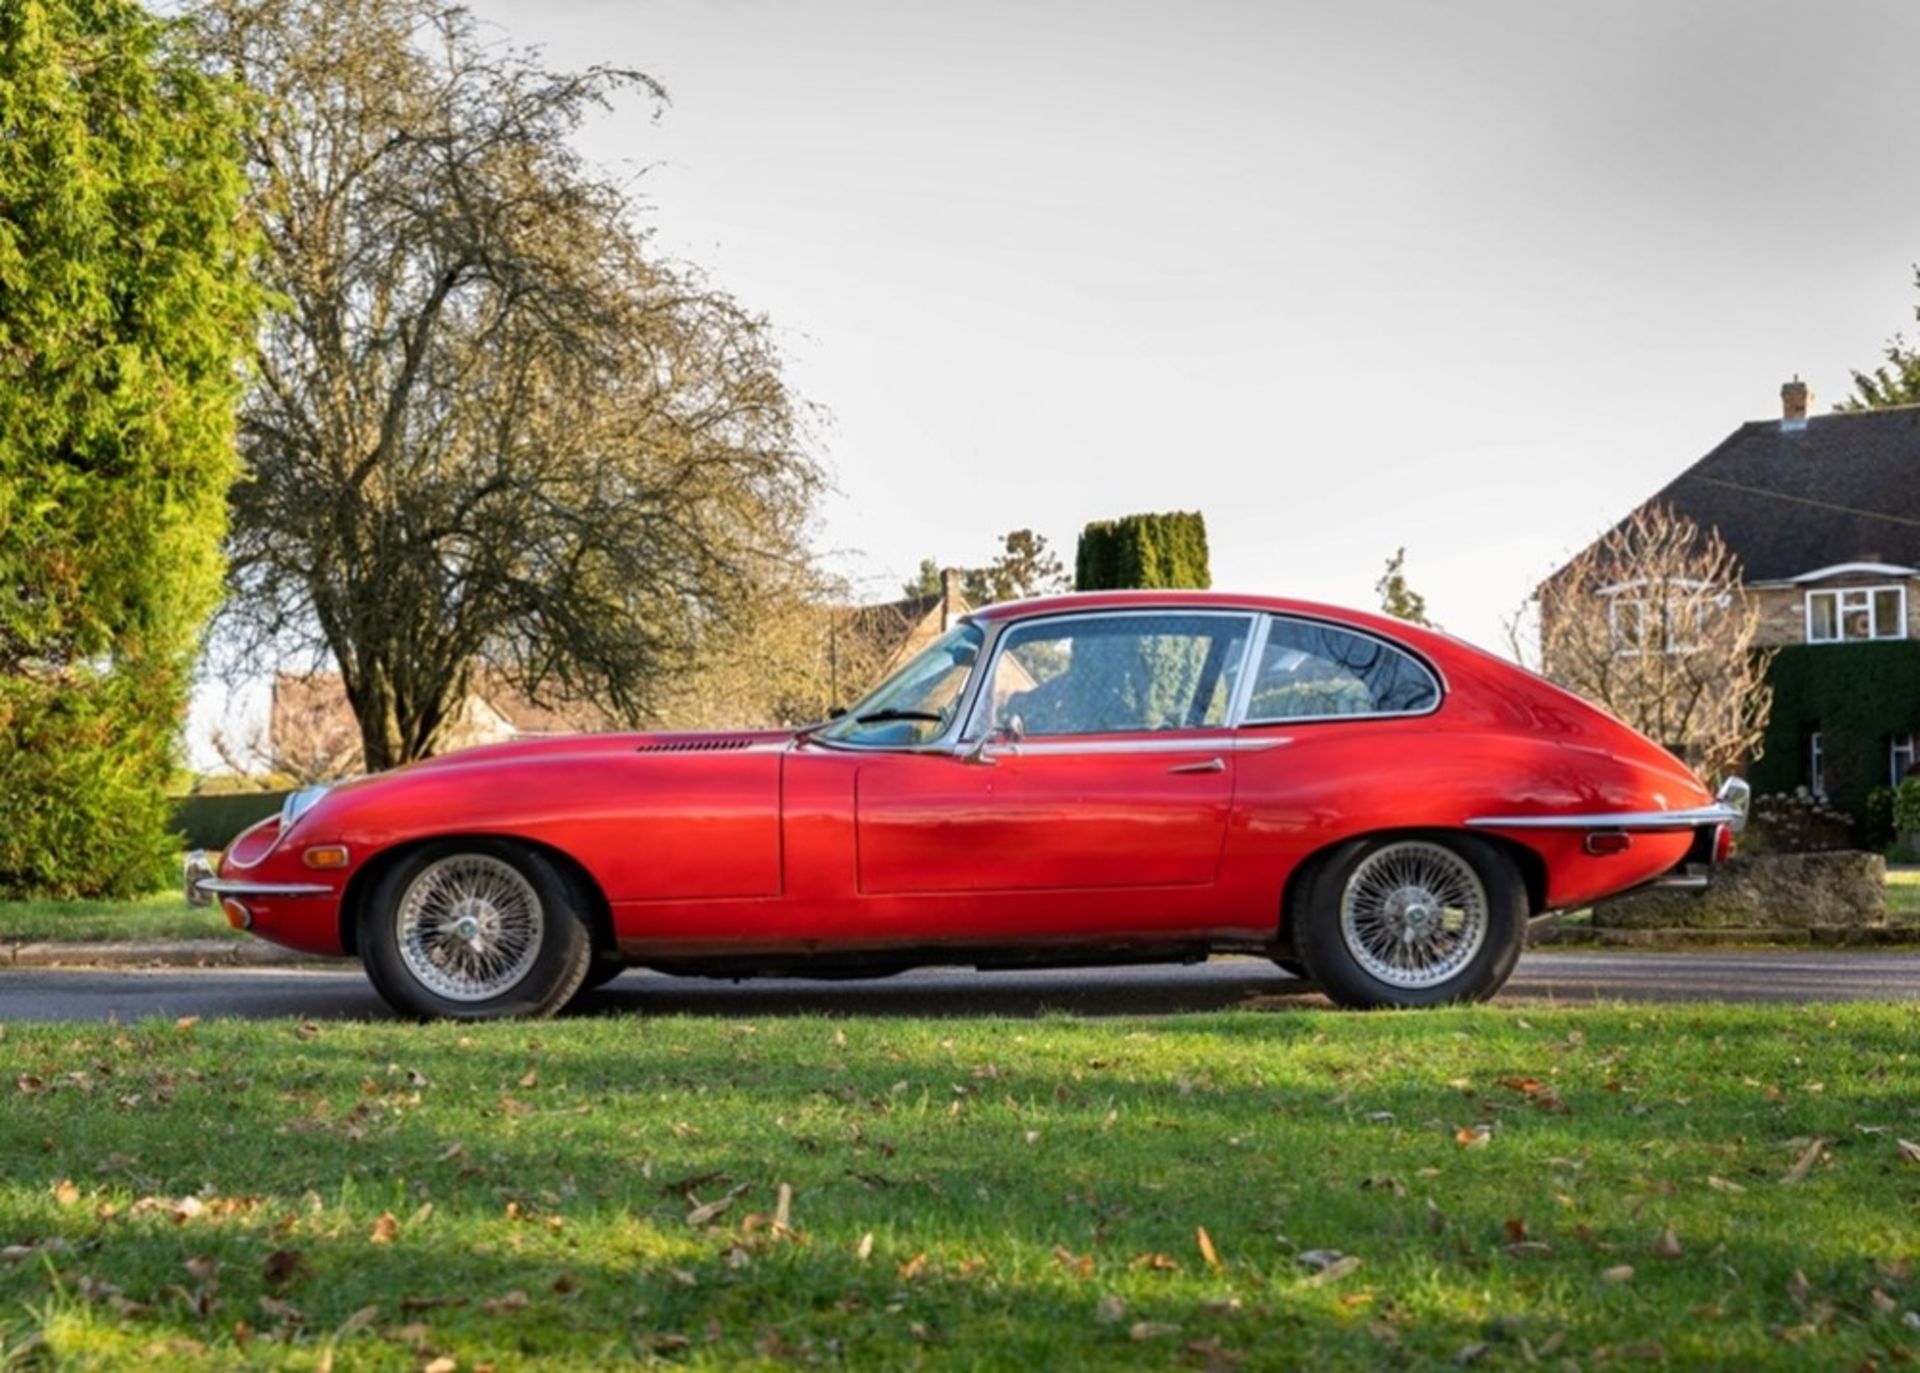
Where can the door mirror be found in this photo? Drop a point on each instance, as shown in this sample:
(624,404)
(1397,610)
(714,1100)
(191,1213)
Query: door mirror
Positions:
(1008,735)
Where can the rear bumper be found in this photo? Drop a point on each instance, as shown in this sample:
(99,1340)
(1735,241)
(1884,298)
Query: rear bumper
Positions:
(1729,808)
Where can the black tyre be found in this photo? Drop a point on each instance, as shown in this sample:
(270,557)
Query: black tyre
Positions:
(600,972)
(1412,920)
(475,929)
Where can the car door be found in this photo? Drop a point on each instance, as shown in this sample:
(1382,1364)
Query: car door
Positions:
(1097,756)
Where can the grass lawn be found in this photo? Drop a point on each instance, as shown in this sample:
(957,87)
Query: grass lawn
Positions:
(1903,895)
(1612,1187)
(164,915)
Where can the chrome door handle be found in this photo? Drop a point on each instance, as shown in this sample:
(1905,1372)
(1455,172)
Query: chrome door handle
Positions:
(1211,765)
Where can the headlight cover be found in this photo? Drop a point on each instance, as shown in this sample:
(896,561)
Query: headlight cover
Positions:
(298,803)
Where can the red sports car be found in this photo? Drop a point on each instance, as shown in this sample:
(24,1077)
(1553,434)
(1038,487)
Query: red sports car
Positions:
(1103,778)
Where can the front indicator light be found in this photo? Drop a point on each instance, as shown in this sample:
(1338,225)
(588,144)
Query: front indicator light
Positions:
(325,856)
(237,915)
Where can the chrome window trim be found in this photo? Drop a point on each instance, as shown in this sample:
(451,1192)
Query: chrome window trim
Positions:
(971,732)
(1424,663)
(942,742)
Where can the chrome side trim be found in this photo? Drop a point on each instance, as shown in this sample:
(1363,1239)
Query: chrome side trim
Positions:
(226,886)
(1718,814)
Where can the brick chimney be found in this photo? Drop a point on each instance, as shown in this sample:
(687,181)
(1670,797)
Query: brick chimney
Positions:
(953,596)
(1793,404)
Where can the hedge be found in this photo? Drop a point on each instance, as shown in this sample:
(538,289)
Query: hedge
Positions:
(1144,551)
(211,822)
(1857,695)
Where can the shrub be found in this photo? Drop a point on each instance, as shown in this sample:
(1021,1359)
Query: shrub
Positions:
(126,305)
(1797,822)
(1906,805)
(1877,818)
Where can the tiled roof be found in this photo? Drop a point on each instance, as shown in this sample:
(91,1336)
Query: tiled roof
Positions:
(1846,488)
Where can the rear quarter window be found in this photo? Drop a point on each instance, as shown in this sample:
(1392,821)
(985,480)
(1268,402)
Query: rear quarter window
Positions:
(1311,671)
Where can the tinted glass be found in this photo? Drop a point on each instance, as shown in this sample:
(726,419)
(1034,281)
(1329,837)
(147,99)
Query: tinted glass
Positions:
(1312,670)
(1111,674)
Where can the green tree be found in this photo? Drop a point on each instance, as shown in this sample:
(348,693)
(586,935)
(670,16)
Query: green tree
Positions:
(125,309)
(1144,551)
(1396,597)
(1025,567)
(1896,381)
(492,430)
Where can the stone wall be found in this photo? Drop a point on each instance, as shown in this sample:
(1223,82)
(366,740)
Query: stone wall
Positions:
(1765,891)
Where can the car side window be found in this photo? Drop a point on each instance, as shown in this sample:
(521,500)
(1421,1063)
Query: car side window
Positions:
(1310,671)
(1111,674)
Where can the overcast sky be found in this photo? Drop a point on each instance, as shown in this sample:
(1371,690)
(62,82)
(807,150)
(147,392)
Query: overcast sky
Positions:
(1473,278)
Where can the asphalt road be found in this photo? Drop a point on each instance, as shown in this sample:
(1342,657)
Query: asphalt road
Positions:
(342,993)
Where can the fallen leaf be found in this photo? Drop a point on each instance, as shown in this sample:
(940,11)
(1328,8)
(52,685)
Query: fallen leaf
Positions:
(65,1192)
(864,1250)
(913,1267)
(514,1300)
(1667,1246)
(1334,1271)
(1473,1136)
(443,1364)
(1516,1230)
(385,1230)
(1529,1249)
(530,1079)
(1622,1272)
(1804,1164)
(1151,1330)
(700,1215)
(1111,1310)
(1156,1263)
(783,1210)
(1723,1185)
(1908,1150)
(1207,1250)
(186,1022)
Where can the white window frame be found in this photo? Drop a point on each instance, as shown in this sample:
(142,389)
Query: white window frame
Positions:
(1900,757)
(1617,596)
(1848,599)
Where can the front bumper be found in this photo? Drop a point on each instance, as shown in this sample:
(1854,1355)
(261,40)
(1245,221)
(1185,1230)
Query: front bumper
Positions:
(203,888)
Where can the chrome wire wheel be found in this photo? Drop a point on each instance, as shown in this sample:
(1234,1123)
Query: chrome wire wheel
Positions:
(1414,914)
(469,927)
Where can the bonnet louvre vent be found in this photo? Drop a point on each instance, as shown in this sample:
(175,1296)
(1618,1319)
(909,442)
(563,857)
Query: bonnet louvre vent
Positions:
(699,745)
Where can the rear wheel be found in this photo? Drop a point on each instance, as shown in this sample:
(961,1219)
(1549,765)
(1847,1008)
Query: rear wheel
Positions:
(475,929)
(1413,921)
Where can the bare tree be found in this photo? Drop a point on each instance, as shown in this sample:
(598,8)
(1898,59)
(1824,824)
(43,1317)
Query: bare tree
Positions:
(490,432)
(1653,623)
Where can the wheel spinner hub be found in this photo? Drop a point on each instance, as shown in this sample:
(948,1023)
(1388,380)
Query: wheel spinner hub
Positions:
(1414,913)
(470,927)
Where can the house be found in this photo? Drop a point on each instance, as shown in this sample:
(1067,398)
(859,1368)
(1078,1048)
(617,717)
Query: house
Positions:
(866,642)
(1823,513)
(311,731)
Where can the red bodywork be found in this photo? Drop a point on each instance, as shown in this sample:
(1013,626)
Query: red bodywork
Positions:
(778,849)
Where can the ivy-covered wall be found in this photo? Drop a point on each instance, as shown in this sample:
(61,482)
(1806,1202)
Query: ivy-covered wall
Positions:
(1856,695)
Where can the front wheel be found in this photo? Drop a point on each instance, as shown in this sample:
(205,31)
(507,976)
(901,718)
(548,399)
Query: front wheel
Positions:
(475,929)
(1413,921)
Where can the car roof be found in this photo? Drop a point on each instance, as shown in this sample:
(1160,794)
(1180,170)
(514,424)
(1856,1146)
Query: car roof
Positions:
(1187,600)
